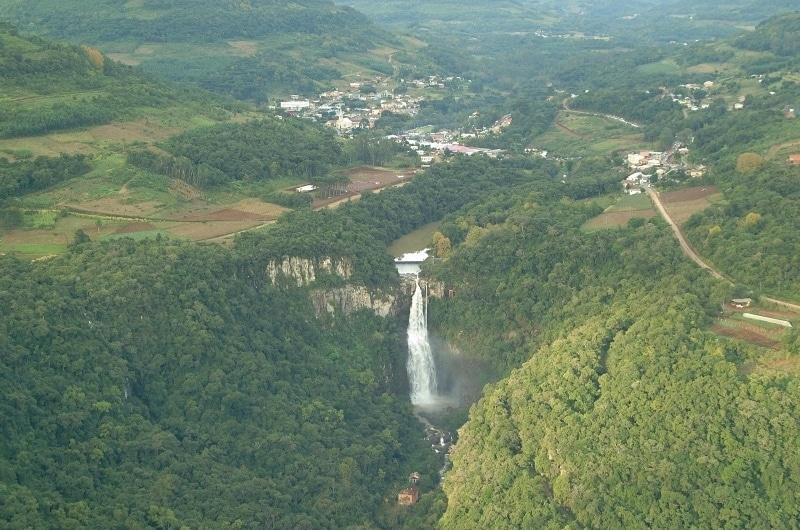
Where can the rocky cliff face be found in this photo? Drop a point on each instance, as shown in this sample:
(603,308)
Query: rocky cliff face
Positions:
(303,271)
(345,300)
(349,299)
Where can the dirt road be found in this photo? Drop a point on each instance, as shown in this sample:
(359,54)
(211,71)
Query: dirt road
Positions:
(694,256)
(687,249)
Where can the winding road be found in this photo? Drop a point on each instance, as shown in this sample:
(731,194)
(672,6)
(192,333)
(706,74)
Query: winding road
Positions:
(694,256)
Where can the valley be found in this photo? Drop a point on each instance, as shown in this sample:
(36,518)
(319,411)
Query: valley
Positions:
(399,265)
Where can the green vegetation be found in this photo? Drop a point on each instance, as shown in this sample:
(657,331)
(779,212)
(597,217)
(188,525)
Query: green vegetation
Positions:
(754,236)
(250,50)
(159,391)
(780,35)
(147,382)
(48,87)
(265,150)
(624,397)
(27,176)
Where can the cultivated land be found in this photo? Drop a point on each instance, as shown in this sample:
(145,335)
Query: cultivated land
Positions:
(684,203)
(622,209)
(580,134)
(117,200)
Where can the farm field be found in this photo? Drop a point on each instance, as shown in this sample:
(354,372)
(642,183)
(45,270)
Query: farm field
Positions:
(621,211)
(152,127)
(733,324)
(117,200)
(368,178)
(684,203)
(577,134)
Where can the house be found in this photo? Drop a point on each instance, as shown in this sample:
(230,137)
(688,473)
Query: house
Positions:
(306,189)
(697,172)
(344,124)
(741,303)
(738,106)
(408,496)
(794,159)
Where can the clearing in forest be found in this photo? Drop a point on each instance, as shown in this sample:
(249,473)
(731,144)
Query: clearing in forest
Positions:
(733,324)
(368,178)
(624,208)
(577,134)
(684,203)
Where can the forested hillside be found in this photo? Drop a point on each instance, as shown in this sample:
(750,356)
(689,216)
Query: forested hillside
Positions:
(627,414)
(48,87)
(258,150)
(250,50)
(169,384)
(181,20)
(162,387)
(149,381)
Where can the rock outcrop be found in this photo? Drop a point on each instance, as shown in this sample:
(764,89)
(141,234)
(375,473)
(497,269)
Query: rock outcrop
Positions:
(351,298)
(303,271)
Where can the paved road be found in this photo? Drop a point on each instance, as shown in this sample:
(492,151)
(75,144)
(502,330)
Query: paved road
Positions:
(694,256)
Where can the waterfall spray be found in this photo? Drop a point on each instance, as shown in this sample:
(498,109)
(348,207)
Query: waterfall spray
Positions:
(420,366)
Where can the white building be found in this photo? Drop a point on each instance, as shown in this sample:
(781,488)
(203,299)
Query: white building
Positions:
(295,105)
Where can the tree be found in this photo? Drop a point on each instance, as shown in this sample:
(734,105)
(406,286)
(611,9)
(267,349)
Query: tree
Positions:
(749,162)
(80,237)
(441,245)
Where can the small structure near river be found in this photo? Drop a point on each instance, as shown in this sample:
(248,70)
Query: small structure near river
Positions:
(410,495)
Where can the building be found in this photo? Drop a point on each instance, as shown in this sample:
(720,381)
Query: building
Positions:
(408,496)
(794,159)
(741,303)
(295,105)
(306,189)
(769,320)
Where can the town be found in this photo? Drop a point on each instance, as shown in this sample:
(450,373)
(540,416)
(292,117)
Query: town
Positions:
(359,106)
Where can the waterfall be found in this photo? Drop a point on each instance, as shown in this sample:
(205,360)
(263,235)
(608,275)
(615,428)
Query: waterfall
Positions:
(421,369)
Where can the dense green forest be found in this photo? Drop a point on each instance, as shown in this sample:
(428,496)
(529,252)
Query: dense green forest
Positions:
(26,176)
(190,392)
(780,35)
(158,383)
(627,414)
(258,150)
(754,236)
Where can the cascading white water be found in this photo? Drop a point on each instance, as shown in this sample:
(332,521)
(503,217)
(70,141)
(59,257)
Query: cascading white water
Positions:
(420,365)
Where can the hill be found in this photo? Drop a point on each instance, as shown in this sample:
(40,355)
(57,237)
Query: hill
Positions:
(68,116)
(779,35)
(251,50)
(48,87)
(621,409)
